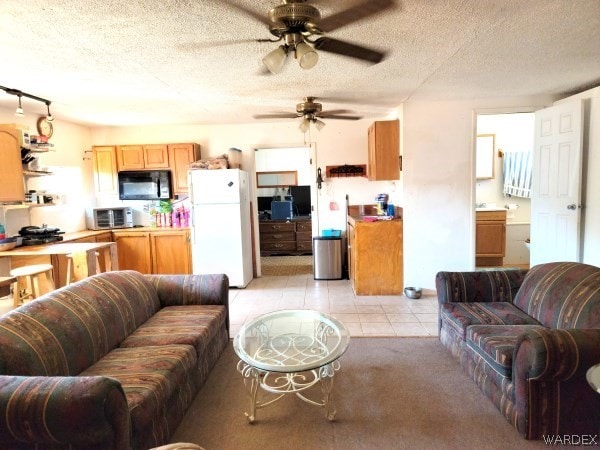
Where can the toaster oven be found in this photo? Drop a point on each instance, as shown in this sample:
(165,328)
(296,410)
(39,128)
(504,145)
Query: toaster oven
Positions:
(103,218)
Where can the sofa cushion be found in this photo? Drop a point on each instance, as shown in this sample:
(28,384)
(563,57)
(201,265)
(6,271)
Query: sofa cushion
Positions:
(193,325)
(69,329)
(151,378)
(495,344)
(562,295)
(461,315)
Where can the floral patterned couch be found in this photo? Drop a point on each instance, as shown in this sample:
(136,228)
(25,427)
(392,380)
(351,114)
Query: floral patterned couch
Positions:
(110,362)
(527,339)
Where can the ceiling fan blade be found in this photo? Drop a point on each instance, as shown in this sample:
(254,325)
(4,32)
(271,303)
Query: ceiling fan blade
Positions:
(191,46)
(331,45)
(335,112)
(262,18)
(365,9)
(335,116)
(276,116)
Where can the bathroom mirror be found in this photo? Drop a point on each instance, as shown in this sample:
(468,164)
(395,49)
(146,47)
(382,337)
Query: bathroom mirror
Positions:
(484,156)
(276,179)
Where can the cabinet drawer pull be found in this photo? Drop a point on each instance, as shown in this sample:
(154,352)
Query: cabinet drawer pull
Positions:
(277,236)
(278,245)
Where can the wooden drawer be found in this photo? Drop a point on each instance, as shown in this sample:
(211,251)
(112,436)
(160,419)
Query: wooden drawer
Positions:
(304,226)
(304,236)
(277,237)
(267,227)
(304,246)
(284,246)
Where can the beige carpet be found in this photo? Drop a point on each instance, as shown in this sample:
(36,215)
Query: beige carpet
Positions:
(391,393)
(286,265)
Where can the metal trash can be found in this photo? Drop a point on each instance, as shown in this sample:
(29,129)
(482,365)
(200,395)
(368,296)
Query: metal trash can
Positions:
(327,257)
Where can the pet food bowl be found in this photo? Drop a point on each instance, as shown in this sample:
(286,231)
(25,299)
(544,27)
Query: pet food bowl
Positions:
(412,292)
(7,244)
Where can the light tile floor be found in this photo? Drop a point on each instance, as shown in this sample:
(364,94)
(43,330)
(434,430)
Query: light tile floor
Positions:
(389,315)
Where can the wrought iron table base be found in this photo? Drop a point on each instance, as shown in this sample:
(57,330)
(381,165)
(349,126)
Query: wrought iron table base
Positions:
(280,384)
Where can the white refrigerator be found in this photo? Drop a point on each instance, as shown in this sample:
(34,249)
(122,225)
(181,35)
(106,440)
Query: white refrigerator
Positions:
(220,222)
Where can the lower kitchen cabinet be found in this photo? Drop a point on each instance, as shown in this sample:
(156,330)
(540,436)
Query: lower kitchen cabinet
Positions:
(166,251)
(375,256)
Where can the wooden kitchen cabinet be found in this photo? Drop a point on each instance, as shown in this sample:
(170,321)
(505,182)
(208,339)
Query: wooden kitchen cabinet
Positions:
(136,157)
(133,249)
(490,238)
(105,170)
(375,256)
(384,150)
(171,252)
(165,251)
(180,156)
(12,187)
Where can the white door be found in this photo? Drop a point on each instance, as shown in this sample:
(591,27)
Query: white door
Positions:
(556,184)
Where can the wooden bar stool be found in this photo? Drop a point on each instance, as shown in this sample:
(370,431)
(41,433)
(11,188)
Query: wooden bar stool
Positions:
(77,266)
(29,276)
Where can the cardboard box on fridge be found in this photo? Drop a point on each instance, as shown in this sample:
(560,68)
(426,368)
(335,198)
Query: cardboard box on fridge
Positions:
(234,158)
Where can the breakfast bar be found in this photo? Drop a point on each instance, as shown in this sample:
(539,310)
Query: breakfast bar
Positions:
(84,256)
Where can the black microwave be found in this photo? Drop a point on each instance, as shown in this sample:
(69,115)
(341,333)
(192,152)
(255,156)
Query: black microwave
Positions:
(145,185)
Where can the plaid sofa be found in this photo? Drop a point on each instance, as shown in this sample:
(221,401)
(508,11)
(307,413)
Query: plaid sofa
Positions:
(527,339)
(110,362)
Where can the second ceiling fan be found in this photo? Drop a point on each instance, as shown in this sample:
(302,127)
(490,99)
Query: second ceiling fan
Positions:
(311,112)
(300,28)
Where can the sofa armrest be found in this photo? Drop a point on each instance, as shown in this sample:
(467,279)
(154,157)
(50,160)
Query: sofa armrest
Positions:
(478,286)
(83,412)
(550,385)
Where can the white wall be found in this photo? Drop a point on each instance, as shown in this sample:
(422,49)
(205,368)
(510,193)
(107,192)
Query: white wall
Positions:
(339,142)
(439,184)
(72,168)
(514,132)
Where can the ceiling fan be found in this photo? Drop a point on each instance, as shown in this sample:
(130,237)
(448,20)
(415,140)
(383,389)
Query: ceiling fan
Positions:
(311,112)
(299,26)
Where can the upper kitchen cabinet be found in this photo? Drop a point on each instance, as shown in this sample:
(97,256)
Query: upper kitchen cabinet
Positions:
(135,157)
(384,150)
(12,188)
(180,156)
(105,170)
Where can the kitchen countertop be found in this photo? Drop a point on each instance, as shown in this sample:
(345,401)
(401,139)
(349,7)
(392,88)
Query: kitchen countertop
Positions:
(366,219)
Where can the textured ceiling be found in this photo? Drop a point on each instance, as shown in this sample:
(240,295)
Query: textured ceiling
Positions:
(125,62)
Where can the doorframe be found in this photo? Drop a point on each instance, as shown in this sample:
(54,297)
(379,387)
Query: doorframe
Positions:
(477,112)
(312,150)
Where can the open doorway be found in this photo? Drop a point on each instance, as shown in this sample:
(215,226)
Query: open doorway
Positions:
(504,149)
(285,196)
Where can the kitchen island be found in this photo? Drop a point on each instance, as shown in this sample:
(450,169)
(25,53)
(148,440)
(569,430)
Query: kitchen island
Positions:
(375,255)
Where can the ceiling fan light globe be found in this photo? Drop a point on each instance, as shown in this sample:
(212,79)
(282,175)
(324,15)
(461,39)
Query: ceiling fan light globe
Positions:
(306,55)
(319,124)
(304,125)
(274,60)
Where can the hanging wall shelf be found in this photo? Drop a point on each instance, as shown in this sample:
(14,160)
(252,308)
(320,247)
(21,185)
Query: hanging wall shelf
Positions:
(359,170)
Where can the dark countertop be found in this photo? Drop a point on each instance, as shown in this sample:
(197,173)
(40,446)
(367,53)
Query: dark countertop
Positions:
(294,219)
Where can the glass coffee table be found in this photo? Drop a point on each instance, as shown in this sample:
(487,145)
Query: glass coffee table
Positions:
(289,351)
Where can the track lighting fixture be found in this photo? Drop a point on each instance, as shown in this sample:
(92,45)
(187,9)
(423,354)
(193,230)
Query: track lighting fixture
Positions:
(18,93)
(19,111)
(49,117)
